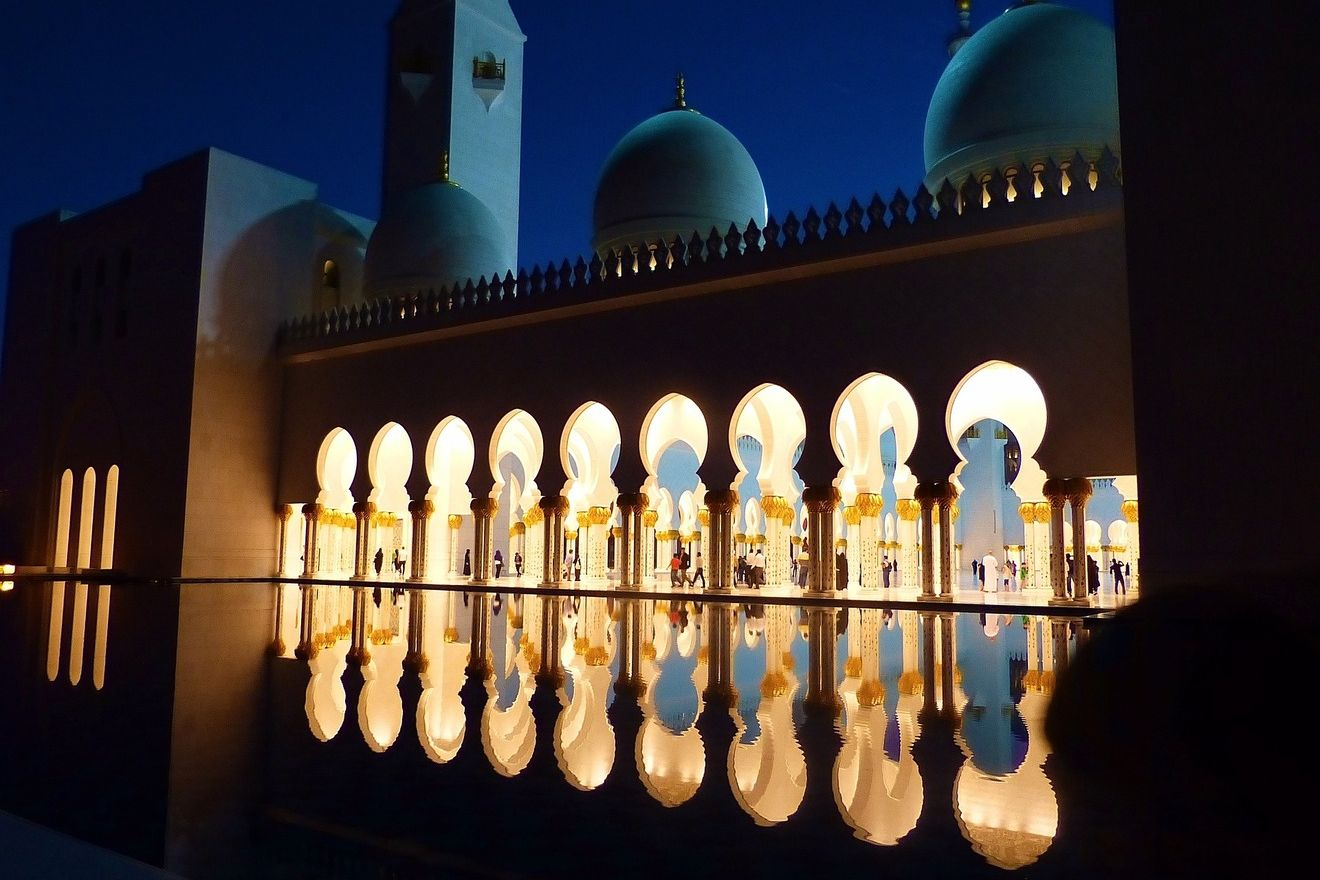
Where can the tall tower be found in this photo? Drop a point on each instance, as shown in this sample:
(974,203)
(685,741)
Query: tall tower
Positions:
(454,86)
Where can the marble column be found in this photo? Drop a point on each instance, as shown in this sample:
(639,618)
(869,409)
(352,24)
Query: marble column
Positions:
(1131,512)
(284,512)
(483,520)
(946,541)
(1040,564)
(553,508)
(363,512)
(720,557)
(869,505)
(1079,491)
(421,524)
(852,550)
(1027,510)
(455,522)
(821,503)
(928,499)
(908,512)
(650,518)
(1056,495)
(312,517)
(629,550)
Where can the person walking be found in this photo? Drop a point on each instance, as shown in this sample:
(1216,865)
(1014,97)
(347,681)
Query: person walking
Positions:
(379,560)
(1092,576)
(467,563)
(1072,589)
(758,567)
(685,563)
(401,561)
(517,564)
(840,570)
(884,570)
(1120,583)
(701,572)
(499,563)
(675,563)
(804,566)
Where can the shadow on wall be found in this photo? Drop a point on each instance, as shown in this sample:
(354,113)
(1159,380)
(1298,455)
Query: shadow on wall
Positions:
(1177,735)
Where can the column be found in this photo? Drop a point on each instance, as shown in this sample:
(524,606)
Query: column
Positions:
(927,498)
(616,535)
(1079,490)
(628,551)
(649,520)
(852,548)
(553,509)
(773,507)
(312,516)
(821,502)
(1056,495)
(703,523)
(284,512)
(1040,565)
(534,559)
(307,647)
(363,512)
(360,630)
(483,549)
(1027,510)
(869,505)
(719,556)
(908,511)
(455,522)
(1130,513)
(599,530)
(950,495)
(421,523)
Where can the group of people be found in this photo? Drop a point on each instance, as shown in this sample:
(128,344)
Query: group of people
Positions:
(1005,578)
(399,564)
(679,566)
(1119,570)
(750,570)
(498,561)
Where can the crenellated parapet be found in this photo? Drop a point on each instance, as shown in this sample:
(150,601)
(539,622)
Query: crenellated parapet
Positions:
(1014,196)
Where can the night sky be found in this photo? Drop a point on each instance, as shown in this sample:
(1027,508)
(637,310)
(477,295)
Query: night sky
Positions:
(829,98)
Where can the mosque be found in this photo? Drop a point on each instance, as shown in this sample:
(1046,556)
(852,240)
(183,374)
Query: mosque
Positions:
(227,377)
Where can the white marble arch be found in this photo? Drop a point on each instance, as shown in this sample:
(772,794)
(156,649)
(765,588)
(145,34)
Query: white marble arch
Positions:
(1007,394)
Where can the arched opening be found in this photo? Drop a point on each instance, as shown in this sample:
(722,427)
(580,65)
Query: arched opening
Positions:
(674,441)
(517,438)
(389,465)
(336,467)
(450,456)
(995,420)
(589,450)
(766,436)
(874,429)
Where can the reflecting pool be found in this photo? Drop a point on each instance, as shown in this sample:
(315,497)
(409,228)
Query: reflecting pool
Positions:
(328,731)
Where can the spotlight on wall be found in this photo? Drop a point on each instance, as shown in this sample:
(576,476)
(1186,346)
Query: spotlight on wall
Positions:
(6,568)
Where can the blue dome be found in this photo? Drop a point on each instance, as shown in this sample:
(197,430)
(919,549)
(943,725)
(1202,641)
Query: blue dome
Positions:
(677,173)
(1036,82)
(433,235)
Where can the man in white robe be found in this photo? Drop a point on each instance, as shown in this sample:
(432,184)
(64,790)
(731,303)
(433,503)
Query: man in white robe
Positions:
(991,566)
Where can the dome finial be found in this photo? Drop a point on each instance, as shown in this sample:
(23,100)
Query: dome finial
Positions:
(964,31)
(444,167)
(680,92)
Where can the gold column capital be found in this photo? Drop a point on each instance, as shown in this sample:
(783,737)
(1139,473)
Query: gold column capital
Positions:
(650,518)
(821,499)
(908,509)
(1027,510)
(852,515)
(870,503)
(421,509)
(703,517)
(455,521)
(599,515)
(485,507)
(1130,510)
(633,501)
(583,519)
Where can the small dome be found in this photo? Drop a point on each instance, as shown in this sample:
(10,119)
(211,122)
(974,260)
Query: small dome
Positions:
(677,173)
(1038,81)
(434,235)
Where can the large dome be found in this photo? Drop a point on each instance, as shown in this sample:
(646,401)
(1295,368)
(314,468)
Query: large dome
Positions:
(433,235)
(1036,82)
(677,173)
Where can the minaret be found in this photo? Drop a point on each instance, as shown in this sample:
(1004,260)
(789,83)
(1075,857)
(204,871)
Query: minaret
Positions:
(964,31)
(454,86)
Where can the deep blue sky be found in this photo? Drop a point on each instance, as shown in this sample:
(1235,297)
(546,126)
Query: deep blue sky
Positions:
(829,98)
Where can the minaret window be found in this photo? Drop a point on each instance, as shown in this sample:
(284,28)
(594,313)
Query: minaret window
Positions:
(330,275)
(486,67)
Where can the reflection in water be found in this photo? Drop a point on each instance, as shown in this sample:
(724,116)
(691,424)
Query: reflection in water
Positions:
(880,793)
(648,678)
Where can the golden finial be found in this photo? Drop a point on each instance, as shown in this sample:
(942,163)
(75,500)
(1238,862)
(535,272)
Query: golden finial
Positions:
(680,93)
(444,167)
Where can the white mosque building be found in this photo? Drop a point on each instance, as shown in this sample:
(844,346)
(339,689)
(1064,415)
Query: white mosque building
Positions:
(227,377)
